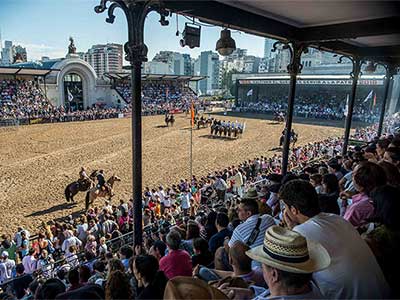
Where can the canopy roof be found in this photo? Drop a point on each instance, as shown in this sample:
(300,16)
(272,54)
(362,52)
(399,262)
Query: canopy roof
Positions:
(368,29)
(145,77)
(25,71)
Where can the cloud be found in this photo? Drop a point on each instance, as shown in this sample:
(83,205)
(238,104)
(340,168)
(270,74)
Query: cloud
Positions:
(36,51)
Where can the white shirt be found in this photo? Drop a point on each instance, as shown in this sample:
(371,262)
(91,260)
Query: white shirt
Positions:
(30,264)
(185,201)
(354,272)
(6,268)
(73,240)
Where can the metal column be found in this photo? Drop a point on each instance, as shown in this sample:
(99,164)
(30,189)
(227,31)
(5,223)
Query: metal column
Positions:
(354,75)
(294,68)
(390,70)
(136,53)
(289,119)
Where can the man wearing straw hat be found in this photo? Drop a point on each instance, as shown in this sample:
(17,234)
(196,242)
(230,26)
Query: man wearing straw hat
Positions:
(288,262)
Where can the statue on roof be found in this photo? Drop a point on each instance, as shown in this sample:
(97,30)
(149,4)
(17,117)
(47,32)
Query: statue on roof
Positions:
(71,47)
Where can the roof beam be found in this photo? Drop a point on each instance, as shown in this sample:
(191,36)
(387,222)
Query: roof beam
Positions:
(220,14)
(350,30)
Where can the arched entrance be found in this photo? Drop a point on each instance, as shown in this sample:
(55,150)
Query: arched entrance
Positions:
(73,92)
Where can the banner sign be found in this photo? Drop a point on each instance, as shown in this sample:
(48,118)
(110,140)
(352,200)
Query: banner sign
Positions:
(312,81)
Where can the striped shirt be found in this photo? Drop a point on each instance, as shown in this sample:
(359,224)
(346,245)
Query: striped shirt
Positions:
(242,231)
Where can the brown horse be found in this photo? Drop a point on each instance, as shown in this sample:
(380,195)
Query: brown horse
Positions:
(79,186)
(94,193)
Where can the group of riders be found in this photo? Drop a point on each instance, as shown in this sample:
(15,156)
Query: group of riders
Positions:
(227,128)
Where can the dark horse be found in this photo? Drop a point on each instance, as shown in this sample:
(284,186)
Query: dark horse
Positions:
(169,119)
(78,186)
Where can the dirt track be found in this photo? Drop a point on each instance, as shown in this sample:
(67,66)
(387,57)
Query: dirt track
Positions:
(36,162)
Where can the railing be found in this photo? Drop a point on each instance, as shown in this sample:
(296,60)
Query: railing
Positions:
(113,245)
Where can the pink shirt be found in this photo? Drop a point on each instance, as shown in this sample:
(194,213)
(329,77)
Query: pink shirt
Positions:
(360,210)
(176,263)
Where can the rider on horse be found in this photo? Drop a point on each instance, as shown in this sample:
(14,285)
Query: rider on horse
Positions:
(101,181)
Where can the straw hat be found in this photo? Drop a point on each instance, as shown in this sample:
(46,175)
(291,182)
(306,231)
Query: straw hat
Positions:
(289,251)
(182,287)
(251,194)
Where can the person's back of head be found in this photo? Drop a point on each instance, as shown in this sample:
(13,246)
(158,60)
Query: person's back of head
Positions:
(238,258)
(250,205)
(50,289)
(330,183)
(201,245)
(118,286)
(126,251)
(301,195)
(367,176)
(84,273)
(222,220)
(387,206)
(147,266)
(20,269)
(99,266)
(173,240)
(73,276)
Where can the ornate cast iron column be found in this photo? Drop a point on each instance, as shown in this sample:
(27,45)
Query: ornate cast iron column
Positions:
(136,53)
(354,74)
(390,71)
(294,68)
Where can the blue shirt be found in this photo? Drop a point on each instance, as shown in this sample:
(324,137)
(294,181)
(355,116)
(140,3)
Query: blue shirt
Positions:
(217,240)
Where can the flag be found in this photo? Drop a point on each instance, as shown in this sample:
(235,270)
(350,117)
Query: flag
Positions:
(250,92)
(369,96)
(166,93)
(346,109)
(192,114)
(70,96)
(374,102)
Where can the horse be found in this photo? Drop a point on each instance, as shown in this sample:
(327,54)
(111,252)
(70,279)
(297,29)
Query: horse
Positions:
(279,118)
(79,186)
(201,123)
(94,193)
(169,119)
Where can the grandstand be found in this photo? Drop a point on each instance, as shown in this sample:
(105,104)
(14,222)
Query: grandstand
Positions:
(317,96)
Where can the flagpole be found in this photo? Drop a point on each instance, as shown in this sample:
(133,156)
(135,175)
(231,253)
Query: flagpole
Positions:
(191,140)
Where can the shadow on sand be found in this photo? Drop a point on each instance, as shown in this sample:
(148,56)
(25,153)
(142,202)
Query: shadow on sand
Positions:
(215,137)
(53,209)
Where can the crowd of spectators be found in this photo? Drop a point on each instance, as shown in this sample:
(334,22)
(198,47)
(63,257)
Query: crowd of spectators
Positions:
(315,107)
(160,97)
(24,100)
(328,229)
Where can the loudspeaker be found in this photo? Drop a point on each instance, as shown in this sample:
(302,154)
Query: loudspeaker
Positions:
(191,36)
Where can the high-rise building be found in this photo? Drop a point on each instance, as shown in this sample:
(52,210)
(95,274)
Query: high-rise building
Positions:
(180,63)
(157,67)
(268,45)
(209,66)
(7,54)
(105,58)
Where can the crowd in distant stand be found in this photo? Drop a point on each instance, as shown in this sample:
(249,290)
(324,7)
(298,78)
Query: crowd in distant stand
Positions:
(231,234)
(25,100)
(315,107)
(158,98)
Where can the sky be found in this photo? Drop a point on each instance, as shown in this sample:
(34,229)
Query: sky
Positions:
(44,27)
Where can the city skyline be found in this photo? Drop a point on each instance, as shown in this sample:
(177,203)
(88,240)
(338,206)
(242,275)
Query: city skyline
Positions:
(48,36)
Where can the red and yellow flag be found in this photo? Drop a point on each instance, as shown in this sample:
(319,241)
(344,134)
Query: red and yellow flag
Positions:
(192,113)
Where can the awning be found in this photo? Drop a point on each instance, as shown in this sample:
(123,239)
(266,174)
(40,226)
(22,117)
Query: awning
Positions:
(26,71)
